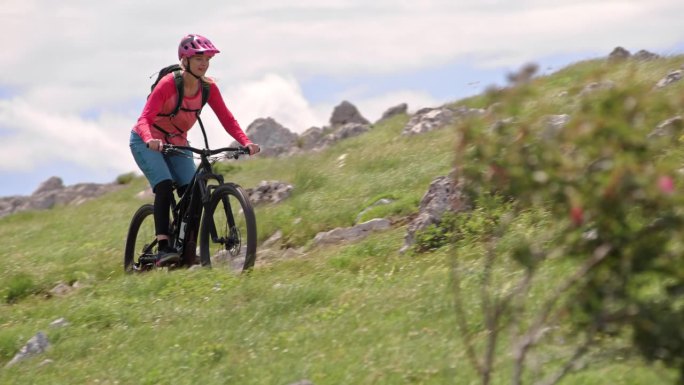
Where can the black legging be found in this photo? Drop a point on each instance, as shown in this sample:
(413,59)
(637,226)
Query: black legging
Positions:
(163,193)
(162,205)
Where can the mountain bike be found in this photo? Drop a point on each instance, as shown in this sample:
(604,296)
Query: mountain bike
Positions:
(219,212)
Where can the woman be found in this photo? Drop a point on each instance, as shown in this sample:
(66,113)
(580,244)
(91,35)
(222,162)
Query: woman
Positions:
(156,126)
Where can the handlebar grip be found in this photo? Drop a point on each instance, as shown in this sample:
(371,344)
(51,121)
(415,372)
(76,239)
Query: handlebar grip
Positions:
(169,149)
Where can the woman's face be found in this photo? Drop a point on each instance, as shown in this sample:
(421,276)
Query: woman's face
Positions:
(199,64)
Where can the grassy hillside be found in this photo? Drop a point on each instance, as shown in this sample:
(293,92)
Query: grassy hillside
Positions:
(348,314)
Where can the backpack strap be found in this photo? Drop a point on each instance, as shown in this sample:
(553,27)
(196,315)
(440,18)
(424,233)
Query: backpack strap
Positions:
(178,80)
(205,92)
(205,97)
(167,134)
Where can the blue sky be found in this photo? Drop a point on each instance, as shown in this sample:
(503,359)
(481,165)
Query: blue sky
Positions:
(75,75)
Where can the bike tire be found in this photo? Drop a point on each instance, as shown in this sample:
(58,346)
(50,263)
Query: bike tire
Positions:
(141,234)
(231,243)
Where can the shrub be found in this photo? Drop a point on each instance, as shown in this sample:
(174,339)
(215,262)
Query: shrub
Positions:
(612,191)
(125,178)
(19,286)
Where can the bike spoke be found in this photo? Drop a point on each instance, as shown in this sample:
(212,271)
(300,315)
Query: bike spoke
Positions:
(227,230)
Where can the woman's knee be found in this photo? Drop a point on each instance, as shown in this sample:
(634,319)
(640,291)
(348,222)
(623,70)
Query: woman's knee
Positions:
(164,187)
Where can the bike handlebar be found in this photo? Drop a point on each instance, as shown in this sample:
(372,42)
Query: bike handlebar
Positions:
(236,151)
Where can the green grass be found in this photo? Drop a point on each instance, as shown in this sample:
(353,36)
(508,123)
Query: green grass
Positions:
(356,313)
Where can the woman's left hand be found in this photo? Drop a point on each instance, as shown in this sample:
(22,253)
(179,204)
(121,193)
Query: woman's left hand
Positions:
(253,148)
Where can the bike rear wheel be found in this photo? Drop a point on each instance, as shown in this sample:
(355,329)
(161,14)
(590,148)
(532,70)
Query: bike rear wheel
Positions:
(228,234)
(141,241)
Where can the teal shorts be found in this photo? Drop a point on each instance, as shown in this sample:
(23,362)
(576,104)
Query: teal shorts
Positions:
(158,167)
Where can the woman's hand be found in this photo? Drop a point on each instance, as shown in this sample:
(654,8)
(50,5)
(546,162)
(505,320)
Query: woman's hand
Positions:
(253,148)
(155,145)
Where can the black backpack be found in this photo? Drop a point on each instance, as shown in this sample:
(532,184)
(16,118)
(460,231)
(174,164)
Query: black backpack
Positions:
(178,79)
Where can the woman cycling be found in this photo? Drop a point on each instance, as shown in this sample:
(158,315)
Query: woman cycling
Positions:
(157,126)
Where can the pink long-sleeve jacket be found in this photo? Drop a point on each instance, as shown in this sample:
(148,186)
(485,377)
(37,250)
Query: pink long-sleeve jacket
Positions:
(163,100)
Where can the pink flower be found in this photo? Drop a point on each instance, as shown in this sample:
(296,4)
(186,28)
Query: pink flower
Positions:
(577,215)
(666,184)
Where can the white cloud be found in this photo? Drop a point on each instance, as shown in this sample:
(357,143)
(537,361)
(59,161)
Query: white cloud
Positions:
(276,96)
(65,60)
(33,138)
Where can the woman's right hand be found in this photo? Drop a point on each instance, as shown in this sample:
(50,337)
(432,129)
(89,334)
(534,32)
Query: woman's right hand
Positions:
(155,145)
(253,148)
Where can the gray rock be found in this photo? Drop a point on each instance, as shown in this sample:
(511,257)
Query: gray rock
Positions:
(52,192)
(273,138)
(46,363)
(553,125)
(501,124)
(667,127)
(61,289)
(269,192)
(52,184)
(347,130)
(59,323)
(345,113)
(399,109)
(442,196)
(619,54)
(596,86)
(524,74)
(380,202)
(466,112)
(311,138)
(269,133)
(355,233)
(36,345)
(672,77)
(429,119)
(273,239)
(644,55)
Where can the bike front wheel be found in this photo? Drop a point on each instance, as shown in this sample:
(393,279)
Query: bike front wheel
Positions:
(141,241)
(229,234)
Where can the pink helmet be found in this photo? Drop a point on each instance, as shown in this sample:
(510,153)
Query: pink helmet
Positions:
(195,44)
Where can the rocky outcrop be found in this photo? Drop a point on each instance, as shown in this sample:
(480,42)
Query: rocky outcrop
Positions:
(276,140)
(553,125)
(523,75)
(644,55)
(597,86)
(52,193)
(673,76)
(269,192)
(346,113)
(36,345)
(354,233)
(442,196)
(345,131)
(380,202)
(429,119)
(316,139)
(391,112)
(667,127)
(311,138)
(620,54)
(273,138)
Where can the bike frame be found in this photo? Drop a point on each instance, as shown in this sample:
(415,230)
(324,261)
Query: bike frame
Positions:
(187,212)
